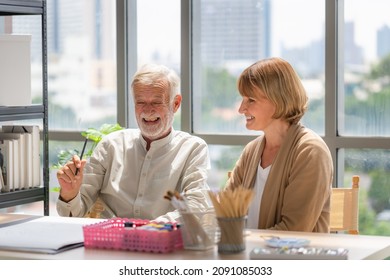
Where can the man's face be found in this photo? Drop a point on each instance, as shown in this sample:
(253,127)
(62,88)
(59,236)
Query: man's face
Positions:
(153,110)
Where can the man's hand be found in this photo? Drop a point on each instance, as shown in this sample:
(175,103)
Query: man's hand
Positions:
(70,182)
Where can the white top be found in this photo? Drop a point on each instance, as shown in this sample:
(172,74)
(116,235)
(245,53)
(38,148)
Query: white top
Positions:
(254,208)
(133,181)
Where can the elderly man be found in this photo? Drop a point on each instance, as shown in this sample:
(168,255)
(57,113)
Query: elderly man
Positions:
(131,170)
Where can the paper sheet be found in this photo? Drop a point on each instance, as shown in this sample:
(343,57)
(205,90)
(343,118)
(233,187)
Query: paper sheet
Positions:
(48,234)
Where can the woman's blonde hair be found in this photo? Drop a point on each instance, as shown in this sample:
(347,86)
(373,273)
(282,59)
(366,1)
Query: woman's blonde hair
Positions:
(277,79)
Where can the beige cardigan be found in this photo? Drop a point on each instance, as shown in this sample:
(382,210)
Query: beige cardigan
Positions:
(297,192)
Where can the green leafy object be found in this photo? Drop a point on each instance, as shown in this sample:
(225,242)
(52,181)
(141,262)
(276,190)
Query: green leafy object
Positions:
(63,157)
(55,189)
(108,128)
(97,134)
(92,134)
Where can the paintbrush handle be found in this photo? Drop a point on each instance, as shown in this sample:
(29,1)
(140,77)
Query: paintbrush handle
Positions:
(82,153)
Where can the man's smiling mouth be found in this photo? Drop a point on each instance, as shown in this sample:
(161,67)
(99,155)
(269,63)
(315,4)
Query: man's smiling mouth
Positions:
(151,119)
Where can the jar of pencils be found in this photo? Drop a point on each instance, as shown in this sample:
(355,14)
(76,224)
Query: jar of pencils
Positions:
(232,234)
(231,207)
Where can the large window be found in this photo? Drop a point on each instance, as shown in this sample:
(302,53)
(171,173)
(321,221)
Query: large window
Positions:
(230,35)
(81,63)
(158,39)
(349,90)
(365,101)
(82,84)
(340,49)
(364,107)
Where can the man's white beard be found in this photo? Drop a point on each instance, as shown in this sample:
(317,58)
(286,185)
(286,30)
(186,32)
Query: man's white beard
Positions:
(157,130)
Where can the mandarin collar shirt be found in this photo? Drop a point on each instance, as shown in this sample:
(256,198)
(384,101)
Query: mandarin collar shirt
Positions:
(132,181)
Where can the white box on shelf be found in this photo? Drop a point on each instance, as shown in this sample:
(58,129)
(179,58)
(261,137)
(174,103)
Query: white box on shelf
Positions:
(15,70)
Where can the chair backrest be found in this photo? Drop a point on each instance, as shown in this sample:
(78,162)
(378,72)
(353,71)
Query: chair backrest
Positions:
(344,211)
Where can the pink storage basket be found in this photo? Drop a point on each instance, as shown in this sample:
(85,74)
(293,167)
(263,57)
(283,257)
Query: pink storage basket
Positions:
(113,234)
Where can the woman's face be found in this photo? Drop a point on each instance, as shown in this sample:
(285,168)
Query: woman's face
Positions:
(258,111)
(153,110)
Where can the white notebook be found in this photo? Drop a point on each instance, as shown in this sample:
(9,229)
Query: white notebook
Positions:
(47,234)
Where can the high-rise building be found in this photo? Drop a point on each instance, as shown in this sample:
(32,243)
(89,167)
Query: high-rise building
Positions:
(354,56)
(383,41)
(232,31)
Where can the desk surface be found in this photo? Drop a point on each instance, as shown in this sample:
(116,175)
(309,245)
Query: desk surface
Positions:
(359,246)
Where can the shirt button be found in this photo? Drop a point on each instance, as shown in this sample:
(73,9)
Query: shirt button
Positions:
(143,174)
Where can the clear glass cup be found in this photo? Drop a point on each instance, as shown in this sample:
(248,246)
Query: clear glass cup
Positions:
(198,229)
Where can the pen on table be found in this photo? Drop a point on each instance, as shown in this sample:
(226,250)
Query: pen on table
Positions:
(82,154)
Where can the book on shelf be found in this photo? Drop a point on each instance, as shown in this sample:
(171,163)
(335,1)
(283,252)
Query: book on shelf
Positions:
(9,145)
(6,152)
(16,164)
(20,148)
(28,173)
(2,186)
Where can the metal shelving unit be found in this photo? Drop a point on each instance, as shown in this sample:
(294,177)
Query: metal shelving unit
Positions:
(16,113)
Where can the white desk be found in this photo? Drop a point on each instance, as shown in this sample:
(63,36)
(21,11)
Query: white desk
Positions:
(359,246)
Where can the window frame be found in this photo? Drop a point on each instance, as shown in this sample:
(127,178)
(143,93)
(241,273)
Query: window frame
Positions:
(333,90)
(127,51)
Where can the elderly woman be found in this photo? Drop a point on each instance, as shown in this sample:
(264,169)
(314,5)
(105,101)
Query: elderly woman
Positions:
(288,166)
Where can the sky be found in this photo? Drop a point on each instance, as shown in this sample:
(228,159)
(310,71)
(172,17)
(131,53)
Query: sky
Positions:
(367,15)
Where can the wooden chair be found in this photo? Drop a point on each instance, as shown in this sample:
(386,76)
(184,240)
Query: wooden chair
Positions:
(344,211)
